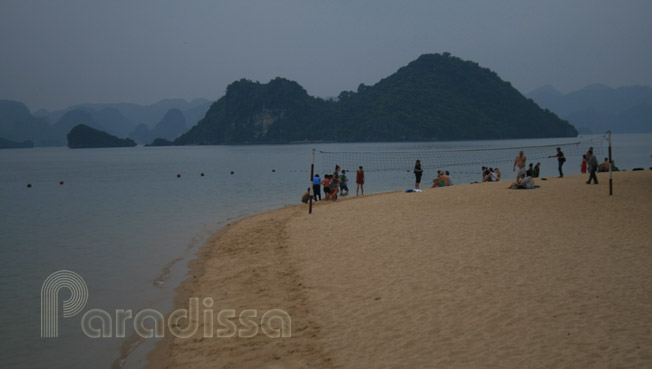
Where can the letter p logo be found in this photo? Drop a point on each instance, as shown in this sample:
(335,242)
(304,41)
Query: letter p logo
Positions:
(50,300)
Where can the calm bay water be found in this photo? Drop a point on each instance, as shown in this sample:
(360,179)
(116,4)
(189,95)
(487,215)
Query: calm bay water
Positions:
(122,218)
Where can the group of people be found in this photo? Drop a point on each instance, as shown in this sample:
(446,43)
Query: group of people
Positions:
(443,179)
(602,167)
(337,183)
(334,184)
(525,177)
(491,174)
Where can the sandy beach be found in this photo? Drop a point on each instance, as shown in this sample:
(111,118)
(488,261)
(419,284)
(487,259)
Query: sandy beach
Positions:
(469,276)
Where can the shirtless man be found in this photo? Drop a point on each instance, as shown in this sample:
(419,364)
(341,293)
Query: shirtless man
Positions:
(520,163)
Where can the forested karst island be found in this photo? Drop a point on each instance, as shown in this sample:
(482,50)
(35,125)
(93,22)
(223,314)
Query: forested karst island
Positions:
(85,137)
(436,97)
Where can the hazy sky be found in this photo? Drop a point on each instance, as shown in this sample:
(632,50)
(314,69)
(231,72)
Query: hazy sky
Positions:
(56,53)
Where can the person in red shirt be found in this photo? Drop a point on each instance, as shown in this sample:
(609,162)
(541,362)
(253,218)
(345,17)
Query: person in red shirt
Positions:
(327,186)
(359,180)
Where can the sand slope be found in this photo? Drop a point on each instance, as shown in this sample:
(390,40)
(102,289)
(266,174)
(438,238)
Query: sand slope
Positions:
(471,276)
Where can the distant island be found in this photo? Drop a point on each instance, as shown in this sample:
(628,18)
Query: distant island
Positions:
(9,144)
(142,123)
(83,137)
(436,97)
(597,108)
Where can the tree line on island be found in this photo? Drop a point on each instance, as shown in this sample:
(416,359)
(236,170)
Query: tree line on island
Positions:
(435,97)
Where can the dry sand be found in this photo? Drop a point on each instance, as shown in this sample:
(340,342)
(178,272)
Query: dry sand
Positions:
(470,276)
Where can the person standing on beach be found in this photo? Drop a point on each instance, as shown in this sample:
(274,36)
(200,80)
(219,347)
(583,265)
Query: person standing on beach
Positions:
(520,163)
(561,160)
(327,186)
(359,180)
(344,187)
(316,186)
(335,183)
(417,173)
(593,166)
(530,171)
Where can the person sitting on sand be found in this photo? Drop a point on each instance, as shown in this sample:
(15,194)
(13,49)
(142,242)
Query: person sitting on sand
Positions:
(604,167)
(436,180)
(448,177)
(441,180)
(489,175)
(306,196)
(522,182)
(497,174)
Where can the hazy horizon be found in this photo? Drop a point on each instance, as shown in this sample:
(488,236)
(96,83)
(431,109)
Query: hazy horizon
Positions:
(62,53)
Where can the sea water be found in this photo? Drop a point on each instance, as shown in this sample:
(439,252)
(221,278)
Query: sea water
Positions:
(127,220)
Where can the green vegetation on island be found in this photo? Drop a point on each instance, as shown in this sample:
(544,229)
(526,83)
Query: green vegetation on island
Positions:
(83,136)
(436,97)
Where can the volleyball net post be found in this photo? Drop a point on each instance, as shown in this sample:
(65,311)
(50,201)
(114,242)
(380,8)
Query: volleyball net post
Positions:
(311,190)
(611,164)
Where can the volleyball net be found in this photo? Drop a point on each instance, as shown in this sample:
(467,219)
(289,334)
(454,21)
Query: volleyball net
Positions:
(464,164)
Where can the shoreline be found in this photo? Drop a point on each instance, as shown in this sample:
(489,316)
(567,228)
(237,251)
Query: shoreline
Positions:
(525,300)
(255,283)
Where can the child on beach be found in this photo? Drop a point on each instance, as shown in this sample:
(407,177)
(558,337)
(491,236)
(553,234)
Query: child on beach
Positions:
(344,188)
(326,182)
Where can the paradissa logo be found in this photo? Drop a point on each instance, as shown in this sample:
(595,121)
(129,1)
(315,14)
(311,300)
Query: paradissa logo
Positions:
(96,323)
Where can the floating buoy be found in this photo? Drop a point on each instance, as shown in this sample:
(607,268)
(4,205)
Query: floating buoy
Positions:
(231,172)
(29,185)
(202,174)
(178,175)
(273,170)
(60,182)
